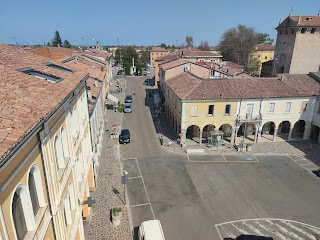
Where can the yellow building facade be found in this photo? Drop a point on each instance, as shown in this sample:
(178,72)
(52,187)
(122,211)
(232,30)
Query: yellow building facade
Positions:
(263,52)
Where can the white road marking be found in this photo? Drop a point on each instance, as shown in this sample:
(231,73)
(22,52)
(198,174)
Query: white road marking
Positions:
(138,205)
(133,177)
(145,190)
(299,230)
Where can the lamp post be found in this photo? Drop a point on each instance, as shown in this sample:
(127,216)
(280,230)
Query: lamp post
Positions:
(124,182)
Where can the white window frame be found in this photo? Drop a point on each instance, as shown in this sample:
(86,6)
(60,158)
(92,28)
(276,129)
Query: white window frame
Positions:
(225,109)
(212,109)
(194,111)
(272,107)
(59,152)
(67,210)
(287,107)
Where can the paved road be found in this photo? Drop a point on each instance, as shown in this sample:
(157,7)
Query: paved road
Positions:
(201,199)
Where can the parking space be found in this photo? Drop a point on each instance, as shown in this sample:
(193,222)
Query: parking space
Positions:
(137,195)
(305,163)
(198,158)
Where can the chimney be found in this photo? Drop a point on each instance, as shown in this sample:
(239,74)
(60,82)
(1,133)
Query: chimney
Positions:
(89,94)
(96,82)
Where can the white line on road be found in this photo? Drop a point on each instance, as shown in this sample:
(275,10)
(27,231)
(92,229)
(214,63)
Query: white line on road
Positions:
(138,205)
(145,190)
(133,177)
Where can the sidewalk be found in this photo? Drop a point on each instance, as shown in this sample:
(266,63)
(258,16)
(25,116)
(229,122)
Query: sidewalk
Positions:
(109,190)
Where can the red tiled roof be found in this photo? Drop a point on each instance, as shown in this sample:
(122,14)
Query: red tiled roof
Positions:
(95,91)
(169,57)
(264,47)
(300,21)
(173,64)
(158,49)
(54,53)
(190,87)
(25,99)
(188,53)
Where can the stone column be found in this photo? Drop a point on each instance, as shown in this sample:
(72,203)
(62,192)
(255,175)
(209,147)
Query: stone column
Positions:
(235,135)
(306,133)
(289,135)
(200,137)
(256,133)
(183,137)
(275,134)
(232,139)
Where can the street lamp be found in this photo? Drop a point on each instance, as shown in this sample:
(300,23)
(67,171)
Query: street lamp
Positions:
(124,182)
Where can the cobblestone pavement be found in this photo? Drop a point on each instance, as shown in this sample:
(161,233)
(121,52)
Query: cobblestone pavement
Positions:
(109,190)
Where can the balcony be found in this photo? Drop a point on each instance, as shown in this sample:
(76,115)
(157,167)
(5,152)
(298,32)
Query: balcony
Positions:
(249,118)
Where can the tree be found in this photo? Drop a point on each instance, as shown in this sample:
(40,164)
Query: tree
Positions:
(163,45)
(265,38)
(237,43)
(117,55)
(189,41)
(56,40)
(253,66)
(144,58)
(128,53)
(204,46)
(66,44)
(48,44)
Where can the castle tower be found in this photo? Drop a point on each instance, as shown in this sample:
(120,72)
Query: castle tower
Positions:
(297,49)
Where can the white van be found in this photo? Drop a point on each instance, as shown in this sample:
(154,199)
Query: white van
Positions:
(151,230)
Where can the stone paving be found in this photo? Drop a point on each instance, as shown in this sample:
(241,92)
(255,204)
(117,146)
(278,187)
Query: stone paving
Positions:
(109,190)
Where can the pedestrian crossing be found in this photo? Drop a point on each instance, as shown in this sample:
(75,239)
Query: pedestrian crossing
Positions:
(268,227)
(303,162)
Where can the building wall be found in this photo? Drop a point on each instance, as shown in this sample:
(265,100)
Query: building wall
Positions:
(306,53)
(316,114)
(203,59)
(199,71)
(263,56)
(154,55)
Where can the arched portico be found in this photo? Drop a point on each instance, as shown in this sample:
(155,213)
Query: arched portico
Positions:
(193,134)
(298,129)
(206,132)
(284,129)
(227,131)
(315,132)
(268,131)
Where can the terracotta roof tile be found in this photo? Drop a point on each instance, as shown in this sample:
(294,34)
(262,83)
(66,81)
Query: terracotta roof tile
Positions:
(264,47)
(26,99)
(172,64)
(188,53)
(300,21)
(158,49)
(54,53)
(293,85)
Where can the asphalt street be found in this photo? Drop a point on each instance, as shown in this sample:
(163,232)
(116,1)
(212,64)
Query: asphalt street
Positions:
(217,197)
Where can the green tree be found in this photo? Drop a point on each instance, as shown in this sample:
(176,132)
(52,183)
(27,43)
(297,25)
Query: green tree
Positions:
(66,44)
(128,53)
(144,58)
(253,66)
(48,44)
(237,43)
(189,41)
(56,40)
(163,45)
(117,55)
(204,46)
(265,38)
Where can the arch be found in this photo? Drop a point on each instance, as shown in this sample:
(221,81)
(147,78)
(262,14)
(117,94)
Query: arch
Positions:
(227,131)
(298,129)
(64,143)
(206,130)
(315,131)
(67,210)
(268,128)
(22,212)
(72,196)
(59,152)
(193,133)
(284,127)
(36,189)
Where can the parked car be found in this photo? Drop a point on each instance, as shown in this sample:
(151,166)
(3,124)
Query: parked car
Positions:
(128,99)
(124,136)
(145,74)
(127,108)
(151,230)
(120,72)
(146,82)
(148,72)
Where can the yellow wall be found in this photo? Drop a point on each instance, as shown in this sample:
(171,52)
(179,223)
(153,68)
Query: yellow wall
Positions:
(263,56)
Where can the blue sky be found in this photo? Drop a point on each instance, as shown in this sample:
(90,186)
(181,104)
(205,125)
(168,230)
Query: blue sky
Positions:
(141,22)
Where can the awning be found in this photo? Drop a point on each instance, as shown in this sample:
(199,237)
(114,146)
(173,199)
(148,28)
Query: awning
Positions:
(112,98)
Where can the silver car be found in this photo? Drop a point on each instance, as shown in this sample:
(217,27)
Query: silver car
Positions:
(127,108)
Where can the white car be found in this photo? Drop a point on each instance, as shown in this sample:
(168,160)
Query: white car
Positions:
(151,230)
(127,108)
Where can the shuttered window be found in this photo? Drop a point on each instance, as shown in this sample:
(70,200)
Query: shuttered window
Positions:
(194,110)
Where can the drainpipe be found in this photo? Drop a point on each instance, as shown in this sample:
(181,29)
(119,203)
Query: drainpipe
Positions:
(238,115)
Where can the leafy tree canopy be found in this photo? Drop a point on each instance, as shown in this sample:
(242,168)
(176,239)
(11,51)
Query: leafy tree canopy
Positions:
(189,41)
(66,44)
(56,40)
(128,53)
(204,46)
(237,43)
(265,38)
